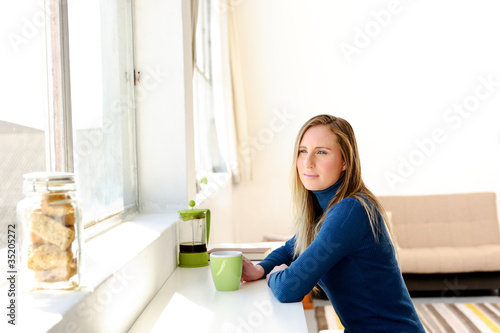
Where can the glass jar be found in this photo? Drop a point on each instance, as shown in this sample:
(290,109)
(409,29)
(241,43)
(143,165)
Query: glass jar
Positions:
(51,232)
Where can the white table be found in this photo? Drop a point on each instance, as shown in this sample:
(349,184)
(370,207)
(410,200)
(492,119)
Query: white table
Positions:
(189,302)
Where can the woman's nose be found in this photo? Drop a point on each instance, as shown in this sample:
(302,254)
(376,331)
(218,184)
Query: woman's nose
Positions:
(308,162)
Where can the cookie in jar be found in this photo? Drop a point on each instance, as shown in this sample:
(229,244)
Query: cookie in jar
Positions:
(51,242)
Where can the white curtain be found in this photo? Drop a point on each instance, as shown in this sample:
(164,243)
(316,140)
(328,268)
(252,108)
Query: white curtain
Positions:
(232,96)
(194,21)
(219,105)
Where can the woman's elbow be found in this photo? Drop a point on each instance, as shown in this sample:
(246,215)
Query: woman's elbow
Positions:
(286,297)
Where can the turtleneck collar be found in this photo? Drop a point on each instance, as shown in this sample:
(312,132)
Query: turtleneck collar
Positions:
(325,196)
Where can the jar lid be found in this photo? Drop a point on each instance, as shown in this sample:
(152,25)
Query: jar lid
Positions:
(48,181)
(67,176)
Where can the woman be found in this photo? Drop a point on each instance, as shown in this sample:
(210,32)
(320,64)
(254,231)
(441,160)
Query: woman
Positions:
(342,242)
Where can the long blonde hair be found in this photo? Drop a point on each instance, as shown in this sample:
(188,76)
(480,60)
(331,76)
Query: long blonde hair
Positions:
(306,221)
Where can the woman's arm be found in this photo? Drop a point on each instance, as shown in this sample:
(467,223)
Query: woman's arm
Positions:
(282,255)
(340,235)
(275,269)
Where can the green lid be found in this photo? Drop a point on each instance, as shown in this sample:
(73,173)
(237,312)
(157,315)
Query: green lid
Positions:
(192,214)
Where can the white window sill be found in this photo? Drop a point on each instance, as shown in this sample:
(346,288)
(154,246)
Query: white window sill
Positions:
(124,268)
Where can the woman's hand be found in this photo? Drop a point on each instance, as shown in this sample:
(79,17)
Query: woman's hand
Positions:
(251,272)
(276,269)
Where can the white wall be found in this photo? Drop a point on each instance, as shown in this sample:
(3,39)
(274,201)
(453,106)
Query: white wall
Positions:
(410,81)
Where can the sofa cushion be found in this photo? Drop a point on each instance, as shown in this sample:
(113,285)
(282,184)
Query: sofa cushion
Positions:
(484,258)
(451,220)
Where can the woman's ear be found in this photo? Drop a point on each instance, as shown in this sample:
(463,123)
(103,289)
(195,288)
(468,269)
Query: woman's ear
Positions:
(343,167)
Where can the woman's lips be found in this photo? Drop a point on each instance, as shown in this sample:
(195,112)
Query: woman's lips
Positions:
(310,176)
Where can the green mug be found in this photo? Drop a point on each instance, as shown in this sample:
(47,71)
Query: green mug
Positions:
(226,269)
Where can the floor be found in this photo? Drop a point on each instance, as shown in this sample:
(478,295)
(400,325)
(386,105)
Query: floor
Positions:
(310,317)
(429,298)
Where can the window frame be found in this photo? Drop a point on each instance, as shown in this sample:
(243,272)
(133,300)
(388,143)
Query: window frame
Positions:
(59,127)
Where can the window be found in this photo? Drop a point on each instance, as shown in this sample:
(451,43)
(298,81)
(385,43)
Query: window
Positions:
(94,133)
(208,157)
(103,106)
(22,123)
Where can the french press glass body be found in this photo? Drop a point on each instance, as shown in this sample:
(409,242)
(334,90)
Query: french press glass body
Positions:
(194,230)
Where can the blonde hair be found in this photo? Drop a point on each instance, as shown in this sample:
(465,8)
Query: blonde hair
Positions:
(306,221)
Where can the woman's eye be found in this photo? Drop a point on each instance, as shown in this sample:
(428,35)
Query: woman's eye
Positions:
(302,151)
(321,152)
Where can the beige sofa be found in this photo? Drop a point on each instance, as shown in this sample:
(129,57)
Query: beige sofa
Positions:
(447,242)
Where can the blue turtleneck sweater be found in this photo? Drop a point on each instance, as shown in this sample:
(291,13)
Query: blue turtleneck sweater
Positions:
(360,275)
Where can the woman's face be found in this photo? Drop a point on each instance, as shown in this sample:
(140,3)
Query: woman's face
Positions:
(319,162)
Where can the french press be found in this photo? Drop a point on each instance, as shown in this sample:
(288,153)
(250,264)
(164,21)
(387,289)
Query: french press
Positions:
(194,229)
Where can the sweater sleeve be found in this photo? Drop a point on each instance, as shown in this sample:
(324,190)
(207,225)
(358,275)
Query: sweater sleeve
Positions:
(282,255)
(341,234)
